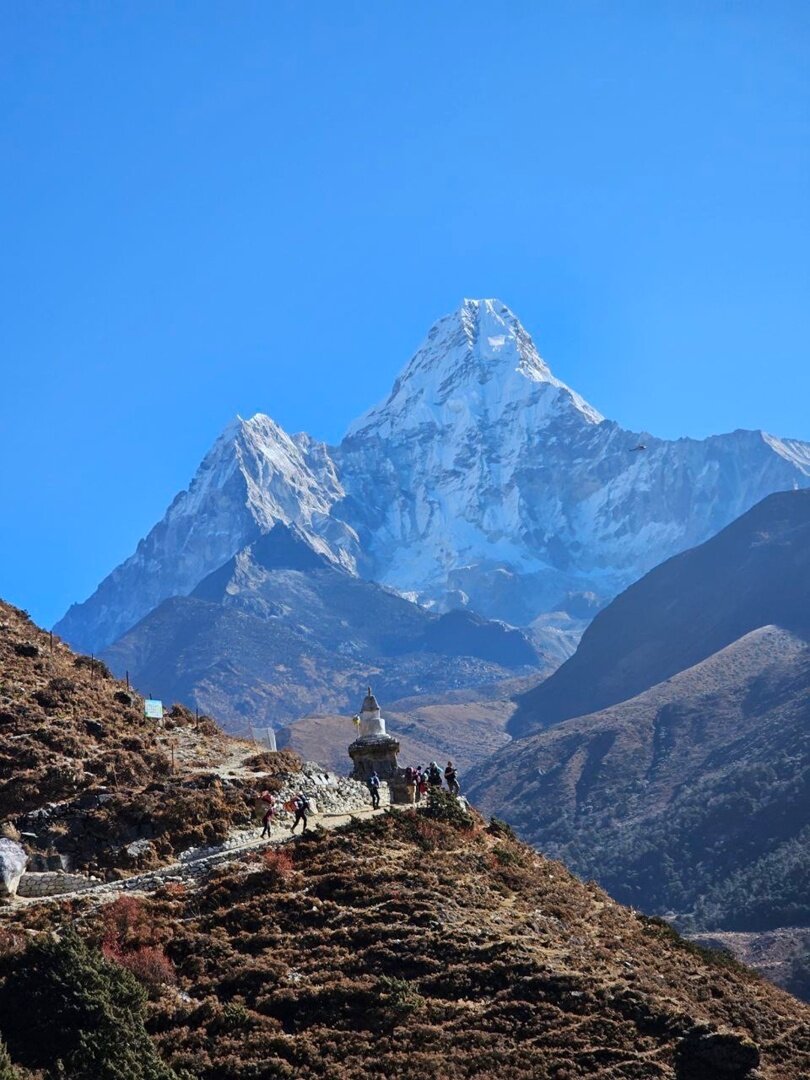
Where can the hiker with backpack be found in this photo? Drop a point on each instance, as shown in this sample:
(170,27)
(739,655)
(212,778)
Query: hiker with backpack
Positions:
(434,775)
(301,806)
(269,799)
(421,782)
(410,783)
(374,787)
(451,776)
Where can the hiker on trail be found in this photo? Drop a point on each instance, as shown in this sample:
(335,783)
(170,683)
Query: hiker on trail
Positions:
(301,805)
(421,782)
(269,799)
(451,776)
(410,783)
(434,775)
(374,787)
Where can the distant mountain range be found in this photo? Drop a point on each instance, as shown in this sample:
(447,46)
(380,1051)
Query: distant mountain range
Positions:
(281,630)
(669,758)
(482,482)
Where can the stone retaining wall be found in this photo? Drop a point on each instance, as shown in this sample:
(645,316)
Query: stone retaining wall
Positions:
(53,883)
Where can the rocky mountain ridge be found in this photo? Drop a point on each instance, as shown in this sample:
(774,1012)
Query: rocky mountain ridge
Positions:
(753,573)
(482,481)
(280,630)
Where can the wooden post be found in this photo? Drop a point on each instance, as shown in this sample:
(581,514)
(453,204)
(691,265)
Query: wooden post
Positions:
(127,682)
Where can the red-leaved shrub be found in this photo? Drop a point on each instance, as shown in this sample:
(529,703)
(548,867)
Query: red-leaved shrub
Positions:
(278,865)
(150,966)
(125,926)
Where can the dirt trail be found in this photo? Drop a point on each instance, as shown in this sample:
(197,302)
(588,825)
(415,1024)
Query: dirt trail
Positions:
(196,865)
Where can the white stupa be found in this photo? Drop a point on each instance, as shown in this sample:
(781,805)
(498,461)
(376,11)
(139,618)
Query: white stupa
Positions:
(371,721)
(374,750)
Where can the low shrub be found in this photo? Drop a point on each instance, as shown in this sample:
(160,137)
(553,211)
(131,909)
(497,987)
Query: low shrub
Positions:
(500,828)
(150,966)
(443,806)
(68,1010)
(278,865)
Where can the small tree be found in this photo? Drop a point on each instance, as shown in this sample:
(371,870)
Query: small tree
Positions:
(65,1007)
(444,806)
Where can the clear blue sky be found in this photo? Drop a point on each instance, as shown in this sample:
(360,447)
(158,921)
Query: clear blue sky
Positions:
(211,208)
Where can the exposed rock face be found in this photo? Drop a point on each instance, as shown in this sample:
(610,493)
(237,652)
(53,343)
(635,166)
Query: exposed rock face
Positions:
(13,861)
(715,1055)
(482,480)
(254,476)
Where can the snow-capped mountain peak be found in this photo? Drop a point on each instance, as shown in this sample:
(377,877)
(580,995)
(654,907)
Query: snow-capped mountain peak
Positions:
(478,358)
(482,479)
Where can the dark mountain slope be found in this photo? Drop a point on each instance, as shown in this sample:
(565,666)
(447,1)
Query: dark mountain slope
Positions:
(279,631)
(754,573)
(693,797)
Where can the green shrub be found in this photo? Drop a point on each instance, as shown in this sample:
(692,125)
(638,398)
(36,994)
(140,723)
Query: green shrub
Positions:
(500,828)
(68,1010)
(442,806)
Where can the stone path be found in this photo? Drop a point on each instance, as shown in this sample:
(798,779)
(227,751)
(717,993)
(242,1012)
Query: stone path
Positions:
(195,864)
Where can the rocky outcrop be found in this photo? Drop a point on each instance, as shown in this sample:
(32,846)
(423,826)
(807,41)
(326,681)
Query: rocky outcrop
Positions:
(715,1055)
(13,861)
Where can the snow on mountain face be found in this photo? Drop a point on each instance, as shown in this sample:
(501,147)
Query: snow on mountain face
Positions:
(481,480)
(476,367)
(484,475)
(254,475)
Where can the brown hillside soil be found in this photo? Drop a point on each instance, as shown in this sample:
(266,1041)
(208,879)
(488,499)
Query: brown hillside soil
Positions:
(413,947)
(83,774)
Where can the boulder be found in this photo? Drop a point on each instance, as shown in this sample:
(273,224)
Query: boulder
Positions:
(705,1054)
(13,861)
(139,855)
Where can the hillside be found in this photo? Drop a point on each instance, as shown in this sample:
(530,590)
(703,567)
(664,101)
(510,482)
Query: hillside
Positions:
(482,480)
(754,573)
(85,776)
(280,631)
(423,945)
(691,797)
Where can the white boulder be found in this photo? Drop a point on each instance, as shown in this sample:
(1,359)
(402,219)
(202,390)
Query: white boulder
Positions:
(13,861)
